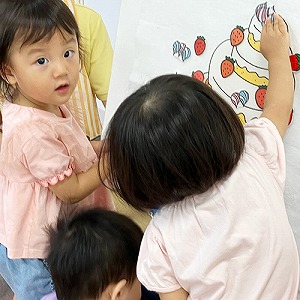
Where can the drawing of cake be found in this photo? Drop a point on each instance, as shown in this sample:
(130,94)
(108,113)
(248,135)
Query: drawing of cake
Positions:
(237,69)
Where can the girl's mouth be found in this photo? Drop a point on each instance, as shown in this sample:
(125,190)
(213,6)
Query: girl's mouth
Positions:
(62,89)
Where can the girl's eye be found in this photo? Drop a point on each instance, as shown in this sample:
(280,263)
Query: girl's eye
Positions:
(42,61)
(68,53)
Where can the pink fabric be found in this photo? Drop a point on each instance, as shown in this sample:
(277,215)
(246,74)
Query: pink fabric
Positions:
(38,149)
(234,241)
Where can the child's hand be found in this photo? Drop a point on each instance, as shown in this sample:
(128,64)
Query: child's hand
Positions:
(99,147)
(275,40)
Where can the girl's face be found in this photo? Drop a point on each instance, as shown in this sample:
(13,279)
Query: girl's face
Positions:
(44,73)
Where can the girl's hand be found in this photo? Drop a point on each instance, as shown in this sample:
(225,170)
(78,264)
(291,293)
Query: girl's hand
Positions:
(275,40)
(98,147)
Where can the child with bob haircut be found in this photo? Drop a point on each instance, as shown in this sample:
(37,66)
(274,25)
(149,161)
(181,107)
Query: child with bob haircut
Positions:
(48,166)
(221,231)
(93,255)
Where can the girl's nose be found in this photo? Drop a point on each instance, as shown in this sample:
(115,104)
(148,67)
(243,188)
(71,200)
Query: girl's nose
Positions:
(59,69)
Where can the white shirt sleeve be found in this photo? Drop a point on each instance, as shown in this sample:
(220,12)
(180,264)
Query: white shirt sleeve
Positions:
(154,269)
(263,138)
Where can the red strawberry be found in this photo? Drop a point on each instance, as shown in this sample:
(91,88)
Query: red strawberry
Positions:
(199,45)
(198,75)
(294,59)
(227,67)
(260,96)
(237,35)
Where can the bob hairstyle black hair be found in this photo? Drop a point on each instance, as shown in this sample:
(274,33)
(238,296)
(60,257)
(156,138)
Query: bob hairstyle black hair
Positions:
(172,138)
(30,21)
(90,250)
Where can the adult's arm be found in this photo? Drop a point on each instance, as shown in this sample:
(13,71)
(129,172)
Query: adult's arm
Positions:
(98,50)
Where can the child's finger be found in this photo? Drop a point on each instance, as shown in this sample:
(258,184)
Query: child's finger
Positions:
(276,22)
(282,26)
(264,30)
(268,25)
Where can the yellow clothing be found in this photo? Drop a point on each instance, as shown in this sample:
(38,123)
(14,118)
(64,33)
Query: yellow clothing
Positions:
(95,74)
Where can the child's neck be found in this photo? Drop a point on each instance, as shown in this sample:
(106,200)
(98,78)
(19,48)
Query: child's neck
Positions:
(20,99)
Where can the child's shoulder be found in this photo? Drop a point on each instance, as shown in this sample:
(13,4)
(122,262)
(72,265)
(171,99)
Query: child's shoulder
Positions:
(17,115)
(262,136)
(19,119)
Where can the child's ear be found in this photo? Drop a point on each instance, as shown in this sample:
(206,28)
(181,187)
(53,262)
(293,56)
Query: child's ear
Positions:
(118,290)
(8,75)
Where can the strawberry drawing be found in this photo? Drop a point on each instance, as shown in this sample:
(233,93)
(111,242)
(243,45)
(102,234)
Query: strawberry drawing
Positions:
(295,61)
(237,35)
(260,96)
(198,75)
(227,67)
(199,45)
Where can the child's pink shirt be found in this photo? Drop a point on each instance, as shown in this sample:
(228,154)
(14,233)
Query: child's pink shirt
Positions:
(38,148)
(232,242)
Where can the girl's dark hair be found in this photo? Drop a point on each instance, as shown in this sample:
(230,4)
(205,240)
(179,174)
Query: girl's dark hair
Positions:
(30,21)
(91,250)
(172,138)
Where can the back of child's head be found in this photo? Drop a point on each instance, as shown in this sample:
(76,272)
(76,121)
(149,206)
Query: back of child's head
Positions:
(172,138)
(27,22)
(91,250)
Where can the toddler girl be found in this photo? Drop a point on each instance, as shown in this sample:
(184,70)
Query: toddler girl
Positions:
(221,231)
(48,167)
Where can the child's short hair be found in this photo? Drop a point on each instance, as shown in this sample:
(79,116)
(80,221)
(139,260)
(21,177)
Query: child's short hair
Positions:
(172,138)
(91,250)
(30,21)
